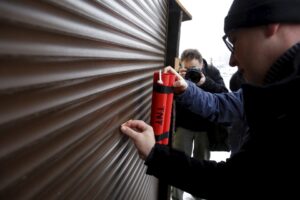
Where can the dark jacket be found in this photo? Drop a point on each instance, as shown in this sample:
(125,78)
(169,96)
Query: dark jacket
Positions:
(266,166)
(238,130)
(214,83)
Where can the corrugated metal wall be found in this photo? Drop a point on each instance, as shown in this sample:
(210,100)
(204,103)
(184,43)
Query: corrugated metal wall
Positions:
(70,73)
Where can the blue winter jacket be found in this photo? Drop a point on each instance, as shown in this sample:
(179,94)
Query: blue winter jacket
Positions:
(223,108)
(217,107)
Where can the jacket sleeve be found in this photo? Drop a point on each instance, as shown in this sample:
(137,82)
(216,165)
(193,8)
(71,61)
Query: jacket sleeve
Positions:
(200,178)
(221,108)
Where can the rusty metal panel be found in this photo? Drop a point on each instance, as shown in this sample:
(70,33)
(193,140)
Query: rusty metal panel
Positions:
(70,73)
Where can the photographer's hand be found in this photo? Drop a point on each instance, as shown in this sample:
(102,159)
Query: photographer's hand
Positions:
(202,80)
(182,71)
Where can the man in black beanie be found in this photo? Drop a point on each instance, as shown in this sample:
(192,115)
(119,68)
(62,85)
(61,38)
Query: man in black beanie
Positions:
(263,37)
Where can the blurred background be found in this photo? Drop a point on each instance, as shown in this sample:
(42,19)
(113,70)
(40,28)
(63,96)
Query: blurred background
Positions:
(204,32)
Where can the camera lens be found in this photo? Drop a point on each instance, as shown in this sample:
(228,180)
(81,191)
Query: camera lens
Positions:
(193,74)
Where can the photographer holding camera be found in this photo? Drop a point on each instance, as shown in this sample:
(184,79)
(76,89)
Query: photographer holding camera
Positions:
(190,127)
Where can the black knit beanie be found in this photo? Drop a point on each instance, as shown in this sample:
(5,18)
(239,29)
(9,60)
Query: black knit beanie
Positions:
(249,13)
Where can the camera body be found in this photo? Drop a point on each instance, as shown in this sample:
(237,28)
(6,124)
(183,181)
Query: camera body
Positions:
(193,74)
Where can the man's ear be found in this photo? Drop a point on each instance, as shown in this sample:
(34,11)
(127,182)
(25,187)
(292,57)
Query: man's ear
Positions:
(271,29)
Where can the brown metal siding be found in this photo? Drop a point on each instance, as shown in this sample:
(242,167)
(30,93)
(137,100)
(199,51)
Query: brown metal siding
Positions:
(70,73)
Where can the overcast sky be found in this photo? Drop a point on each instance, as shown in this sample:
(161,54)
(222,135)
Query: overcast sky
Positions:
(205,30)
